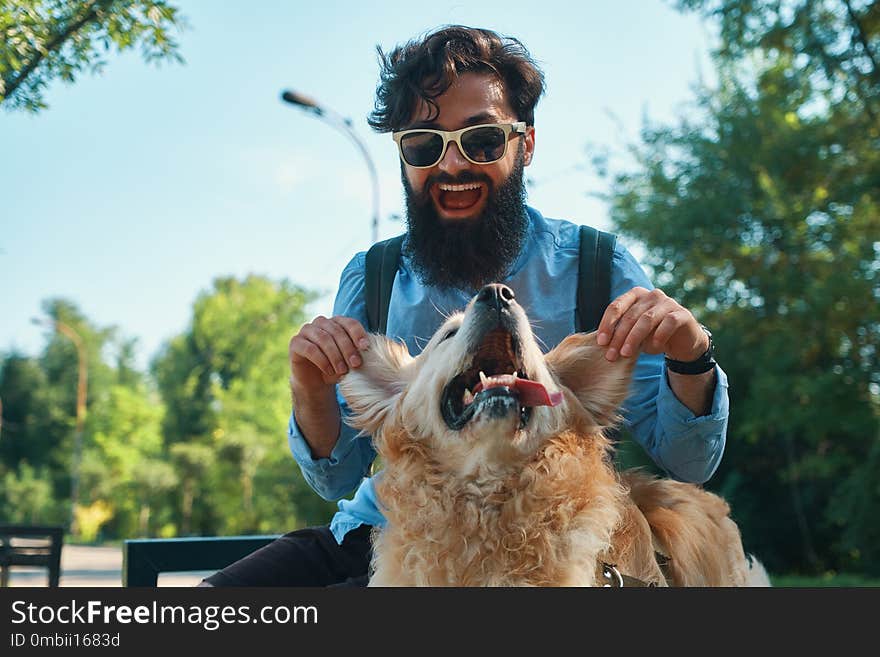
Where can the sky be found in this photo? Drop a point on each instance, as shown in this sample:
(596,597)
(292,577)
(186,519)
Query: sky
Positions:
(138,187)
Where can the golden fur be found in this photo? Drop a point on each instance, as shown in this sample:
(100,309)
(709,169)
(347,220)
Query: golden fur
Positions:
(497,504)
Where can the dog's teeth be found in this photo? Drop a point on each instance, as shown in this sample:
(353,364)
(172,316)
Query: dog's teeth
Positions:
(468,397)
(484,379)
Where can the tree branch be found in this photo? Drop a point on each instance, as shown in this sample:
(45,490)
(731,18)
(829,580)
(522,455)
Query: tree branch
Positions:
(830,65)
(863,40)
(55,43)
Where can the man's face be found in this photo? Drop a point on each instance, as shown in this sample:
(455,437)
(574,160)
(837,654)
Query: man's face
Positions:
(473,98)
(467,222)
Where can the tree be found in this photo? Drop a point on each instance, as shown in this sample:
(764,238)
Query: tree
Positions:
(761,213)
(48,39)
(26,497)
(224,382)
(122,430)
(22,386)
(834,43)
(125,467)
(193,462)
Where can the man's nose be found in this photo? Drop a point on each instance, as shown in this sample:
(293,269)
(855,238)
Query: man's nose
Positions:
(452,160)
(495,295)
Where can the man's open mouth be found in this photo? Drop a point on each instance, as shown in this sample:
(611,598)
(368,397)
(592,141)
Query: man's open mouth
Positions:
(458,198)
(496,381)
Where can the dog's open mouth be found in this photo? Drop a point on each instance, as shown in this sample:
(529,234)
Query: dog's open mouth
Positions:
(496,381)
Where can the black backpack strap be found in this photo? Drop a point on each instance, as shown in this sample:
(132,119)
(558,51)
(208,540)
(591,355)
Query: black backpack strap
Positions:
(594,277)
(381,267)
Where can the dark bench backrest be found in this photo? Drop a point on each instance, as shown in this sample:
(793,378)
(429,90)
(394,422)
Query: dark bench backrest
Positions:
(41,547)
(144,559)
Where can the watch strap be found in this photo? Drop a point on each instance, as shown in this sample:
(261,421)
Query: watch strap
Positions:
(703,364)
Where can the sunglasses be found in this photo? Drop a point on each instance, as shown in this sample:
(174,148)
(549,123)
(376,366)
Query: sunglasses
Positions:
(481,144)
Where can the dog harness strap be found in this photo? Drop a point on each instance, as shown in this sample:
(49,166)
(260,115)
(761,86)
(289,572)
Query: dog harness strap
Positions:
(663,562)
(594,277)
(612,578)
(381,267)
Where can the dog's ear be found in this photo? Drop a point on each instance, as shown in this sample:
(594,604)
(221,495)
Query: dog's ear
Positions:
(601,386)
(372,389)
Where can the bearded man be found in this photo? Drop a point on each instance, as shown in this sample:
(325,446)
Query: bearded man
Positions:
(460,104)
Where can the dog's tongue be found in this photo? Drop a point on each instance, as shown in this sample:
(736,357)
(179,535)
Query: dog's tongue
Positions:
(531,393)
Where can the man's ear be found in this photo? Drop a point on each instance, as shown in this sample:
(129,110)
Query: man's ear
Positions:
(601,386)
(373,389)
(529,149)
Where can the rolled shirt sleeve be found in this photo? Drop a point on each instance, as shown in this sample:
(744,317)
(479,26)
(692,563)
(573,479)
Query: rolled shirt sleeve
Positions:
(687,447)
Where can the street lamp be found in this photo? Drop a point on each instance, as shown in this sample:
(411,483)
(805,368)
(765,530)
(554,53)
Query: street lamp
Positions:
(81,387)
(344,124)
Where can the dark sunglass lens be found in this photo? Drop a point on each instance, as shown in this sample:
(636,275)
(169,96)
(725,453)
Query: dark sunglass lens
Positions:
(421,149)
(484,144)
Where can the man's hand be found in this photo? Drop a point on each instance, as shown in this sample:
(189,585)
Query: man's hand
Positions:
(324,349)
(320,354)
(649,321)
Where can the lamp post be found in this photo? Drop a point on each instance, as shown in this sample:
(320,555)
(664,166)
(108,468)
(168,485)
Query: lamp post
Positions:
(344,124)
(81,387)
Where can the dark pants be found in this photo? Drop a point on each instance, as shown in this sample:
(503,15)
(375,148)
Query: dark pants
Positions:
(306,557)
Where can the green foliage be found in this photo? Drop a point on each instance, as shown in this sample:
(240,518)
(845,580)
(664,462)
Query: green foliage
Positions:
(826,580)
(48,39)
(23,389)
(199,448)
(224,383)
(26,497)
(760,214)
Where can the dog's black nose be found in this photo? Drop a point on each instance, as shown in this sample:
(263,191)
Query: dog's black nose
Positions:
(495,295)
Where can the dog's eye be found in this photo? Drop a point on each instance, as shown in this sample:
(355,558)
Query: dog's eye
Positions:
(450,334)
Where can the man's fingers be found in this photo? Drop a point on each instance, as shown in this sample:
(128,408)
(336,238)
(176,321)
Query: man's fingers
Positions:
(666,329)
(332,345)
(642,328)
(301,348)
(645,305)
(324,342)
(355,330)
(350,338)
(647,309)
(337,344)
(614,312)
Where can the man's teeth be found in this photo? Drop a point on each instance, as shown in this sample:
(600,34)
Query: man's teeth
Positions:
(444,187)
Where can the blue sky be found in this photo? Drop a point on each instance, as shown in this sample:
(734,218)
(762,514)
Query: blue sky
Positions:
(138,187)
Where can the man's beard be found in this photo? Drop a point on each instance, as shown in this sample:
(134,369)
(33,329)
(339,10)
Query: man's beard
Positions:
(467,253)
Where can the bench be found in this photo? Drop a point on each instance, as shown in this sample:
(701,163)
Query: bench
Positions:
(144,559)
(31,545)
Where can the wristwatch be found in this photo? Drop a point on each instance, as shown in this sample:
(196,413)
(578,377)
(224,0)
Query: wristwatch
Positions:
(702,364)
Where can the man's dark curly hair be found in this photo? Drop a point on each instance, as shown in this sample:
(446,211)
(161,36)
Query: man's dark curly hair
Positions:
(425,68)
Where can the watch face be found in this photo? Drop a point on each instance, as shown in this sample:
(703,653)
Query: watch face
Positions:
(711,350)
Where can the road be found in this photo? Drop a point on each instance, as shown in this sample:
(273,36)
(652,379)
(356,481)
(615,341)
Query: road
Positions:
(83,565)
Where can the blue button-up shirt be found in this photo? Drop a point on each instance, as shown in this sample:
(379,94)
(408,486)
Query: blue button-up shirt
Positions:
(544,278)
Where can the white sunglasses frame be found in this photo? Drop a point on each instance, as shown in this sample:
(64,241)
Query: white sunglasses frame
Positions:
(518,127)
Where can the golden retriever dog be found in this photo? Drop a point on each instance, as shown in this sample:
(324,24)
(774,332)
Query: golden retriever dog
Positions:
(498,471)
